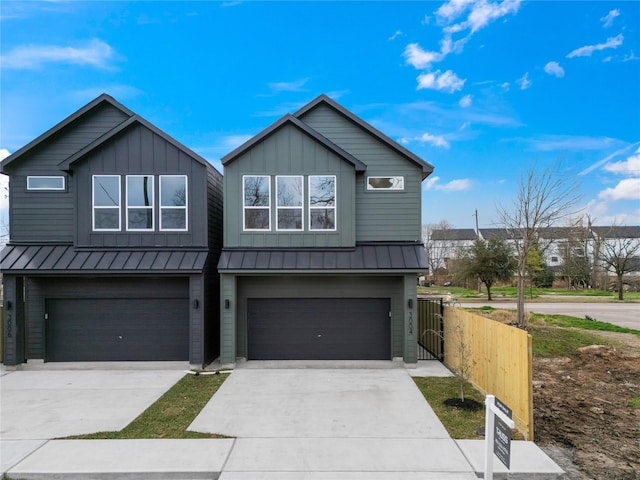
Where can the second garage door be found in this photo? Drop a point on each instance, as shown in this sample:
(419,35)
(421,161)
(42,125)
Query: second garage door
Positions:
(117,329)
(318,329)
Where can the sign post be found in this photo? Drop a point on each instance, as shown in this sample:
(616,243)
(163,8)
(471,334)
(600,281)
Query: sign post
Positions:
(497,432)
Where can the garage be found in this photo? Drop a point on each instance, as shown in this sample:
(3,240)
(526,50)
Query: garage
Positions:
(112,329)
(318,329)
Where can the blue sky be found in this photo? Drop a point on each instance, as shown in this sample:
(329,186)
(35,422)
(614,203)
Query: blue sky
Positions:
(480,89)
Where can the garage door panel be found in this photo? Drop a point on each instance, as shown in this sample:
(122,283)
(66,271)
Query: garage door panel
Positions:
(319,329)
(117,329)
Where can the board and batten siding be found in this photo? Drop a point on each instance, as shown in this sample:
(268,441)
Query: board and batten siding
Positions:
(139,151)
(40,216)
(338,286)
(289,151)
(380,215)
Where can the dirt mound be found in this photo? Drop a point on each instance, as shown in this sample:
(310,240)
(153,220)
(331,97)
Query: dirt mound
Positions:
(588,405)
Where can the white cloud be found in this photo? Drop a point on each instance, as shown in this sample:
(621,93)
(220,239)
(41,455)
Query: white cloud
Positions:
(447,81)
(436,140)
(524,81)
(95,53)
(457,185)
(294,86)
(627,189)
(4,153)
(395,35)
(554,68)
(466,101)
(607,20)
(575,143)
(419,58)
(630,166)
(587,50)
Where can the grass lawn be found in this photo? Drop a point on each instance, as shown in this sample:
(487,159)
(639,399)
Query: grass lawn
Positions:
(541,294)
(460,424)
(172,413)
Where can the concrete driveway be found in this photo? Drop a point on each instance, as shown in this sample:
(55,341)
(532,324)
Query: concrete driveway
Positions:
(51,404)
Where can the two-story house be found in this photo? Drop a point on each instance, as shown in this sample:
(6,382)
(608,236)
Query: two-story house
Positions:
(115,233)
(322,241)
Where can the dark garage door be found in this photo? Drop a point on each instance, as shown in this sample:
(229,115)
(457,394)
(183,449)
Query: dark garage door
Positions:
(319,329)
(83,330)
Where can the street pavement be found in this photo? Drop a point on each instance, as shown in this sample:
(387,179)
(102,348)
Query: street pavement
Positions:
(292,422)
(621,314)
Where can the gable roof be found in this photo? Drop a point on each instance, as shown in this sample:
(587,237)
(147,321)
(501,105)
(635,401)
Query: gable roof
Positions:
(97,102)
(133,120)
(323,99)
(454,234)
(291,120)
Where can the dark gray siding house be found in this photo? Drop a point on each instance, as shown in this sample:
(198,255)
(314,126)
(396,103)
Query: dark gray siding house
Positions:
(322,241)
(116,230)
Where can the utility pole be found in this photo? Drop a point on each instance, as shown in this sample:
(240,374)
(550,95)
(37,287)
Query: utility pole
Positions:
(478,236)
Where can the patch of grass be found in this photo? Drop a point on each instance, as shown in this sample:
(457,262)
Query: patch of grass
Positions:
(459,423)
(560,342)
(172,413)
(574,322)
(634,402)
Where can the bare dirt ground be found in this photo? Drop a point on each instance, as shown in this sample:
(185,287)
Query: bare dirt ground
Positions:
(584,413)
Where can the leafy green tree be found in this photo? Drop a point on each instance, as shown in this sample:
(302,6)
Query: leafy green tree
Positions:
(491,261)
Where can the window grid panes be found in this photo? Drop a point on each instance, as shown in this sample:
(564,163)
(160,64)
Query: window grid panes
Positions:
(140,202)
(322,202)
(55,183)
(256,193)
(289,202)
(173,203)
(106,202)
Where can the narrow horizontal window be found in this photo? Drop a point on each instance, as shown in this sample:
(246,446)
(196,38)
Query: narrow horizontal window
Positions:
(289,198)
(46,183)
(256,193)
(106,202)
(322,202)
(385,183)
(174,203)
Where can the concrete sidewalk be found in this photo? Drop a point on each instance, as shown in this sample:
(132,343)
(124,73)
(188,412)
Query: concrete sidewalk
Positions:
(328,424)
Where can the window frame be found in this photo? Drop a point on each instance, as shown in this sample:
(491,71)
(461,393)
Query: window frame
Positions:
(334,207)
(370,188)
(260,207)
(43,189)
(289,207)
(95,207)
(135,207)
(174,207)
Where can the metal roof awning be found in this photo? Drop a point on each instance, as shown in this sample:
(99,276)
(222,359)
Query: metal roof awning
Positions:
(362,258)
(65,259)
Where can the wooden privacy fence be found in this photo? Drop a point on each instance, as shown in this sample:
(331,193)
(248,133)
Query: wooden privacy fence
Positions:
(499,360)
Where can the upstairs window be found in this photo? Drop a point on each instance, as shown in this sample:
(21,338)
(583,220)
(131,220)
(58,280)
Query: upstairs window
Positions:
(289,195)
(173,202)
(385,183)
(256,192)
(47,183)
(139,202)
(322,202)
(106,202)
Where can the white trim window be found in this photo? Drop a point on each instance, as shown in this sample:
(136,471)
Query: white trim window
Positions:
(256,210)
(140,203)
(106,203)
(46,183)
(385,183)
(174,203)
(322,202)
(289,202)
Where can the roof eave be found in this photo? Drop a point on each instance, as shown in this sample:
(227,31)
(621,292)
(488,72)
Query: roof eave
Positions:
(61,125)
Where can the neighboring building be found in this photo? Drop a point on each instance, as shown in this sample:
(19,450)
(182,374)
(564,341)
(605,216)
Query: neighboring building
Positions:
(560,244)
(322,241)
(115,232)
